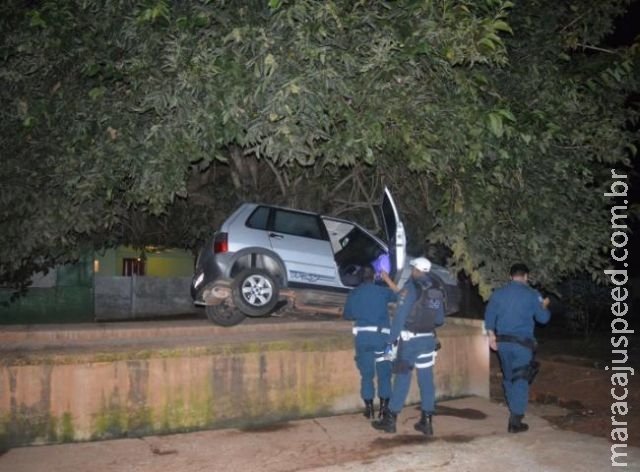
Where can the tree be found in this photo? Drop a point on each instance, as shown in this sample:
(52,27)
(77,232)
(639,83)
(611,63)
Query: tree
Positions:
(559,124)
(153,122)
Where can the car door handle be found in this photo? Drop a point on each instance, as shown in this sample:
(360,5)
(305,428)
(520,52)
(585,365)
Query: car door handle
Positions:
(277,236)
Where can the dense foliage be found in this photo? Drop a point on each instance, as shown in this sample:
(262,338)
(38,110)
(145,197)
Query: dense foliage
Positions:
(145,122)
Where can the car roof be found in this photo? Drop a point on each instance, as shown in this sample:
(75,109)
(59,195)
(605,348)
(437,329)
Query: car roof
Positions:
(251,206)
(279,207)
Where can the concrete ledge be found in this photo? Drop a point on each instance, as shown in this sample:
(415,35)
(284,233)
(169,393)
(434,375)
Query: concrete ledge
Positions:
(77,383)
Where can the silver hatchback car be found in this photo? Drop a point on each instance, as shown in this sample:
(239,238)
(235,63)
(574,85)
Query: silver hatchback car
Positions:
(266,256)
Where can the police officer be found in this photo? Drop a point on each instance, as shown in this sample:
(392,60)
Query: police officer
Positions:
(509,320)
(416,349)
(366,305)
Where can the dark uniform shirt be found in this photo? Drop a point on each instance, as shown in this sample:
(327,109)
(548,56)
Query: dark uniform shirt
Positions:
(367,305)
(513,309)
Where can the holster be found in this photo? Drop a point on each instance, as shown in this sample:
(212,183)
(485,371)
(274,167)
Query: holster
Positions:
(527,372)
(400,366)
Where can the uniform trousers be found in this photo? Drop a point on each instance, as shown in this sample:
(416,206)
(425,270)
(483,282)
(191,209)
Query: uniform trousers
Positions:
(512,356)
(414,354)
(369,348)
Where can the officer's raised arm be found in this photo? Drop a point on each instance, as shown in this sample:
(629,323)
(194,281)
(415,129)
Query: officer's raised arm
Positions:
(542,314)
(392,285)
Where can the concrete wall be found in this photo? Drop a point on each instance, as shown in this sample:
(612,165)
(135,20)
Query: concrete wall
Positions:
(239,378)
(125,298)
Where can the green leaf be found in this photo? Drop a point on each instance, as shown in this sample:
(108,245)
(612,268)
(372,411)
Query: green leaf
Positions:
(506,114)
(495,124)
(36,20)
(97,92)
(502,26)
(488,42)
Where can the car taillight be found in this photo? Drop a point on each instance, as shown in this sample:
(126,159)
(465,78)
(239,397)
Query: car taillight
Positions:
(220,243)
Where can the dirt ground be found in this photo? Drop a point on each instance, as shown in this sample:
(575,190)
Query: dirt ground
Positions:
(572,376)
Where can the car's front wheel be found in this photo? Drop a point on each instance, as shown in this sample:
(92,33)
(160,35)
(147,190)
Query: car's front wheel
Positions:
(224,315)
(255,292)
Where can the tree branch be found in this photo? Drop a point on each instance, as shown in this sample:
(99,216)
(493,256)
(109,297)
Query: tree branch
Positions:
(283,188)
(596,48)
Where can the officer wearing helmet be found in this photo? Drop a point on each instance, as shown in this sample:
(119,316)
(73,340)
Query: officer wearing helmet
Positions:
(416,347)
(510,318)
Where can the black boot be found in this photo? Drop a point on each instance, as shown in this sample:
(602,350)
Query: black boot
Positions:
(424,425)
(384,404)
(368,409)
(387,423)
(516,425)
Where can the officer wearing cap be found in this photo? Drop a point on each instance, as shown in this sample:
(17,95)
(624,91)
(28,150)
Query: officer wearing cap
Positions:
(510,318)
(415,350)
(366,306)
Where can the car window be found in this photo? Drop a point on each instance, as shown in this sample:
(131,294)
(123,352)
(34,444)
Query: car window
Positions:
(298,224)
(259,218)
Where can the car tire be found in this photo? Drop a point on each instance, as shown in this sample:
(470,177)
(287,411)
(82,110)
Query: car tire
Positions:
(224,315)
(255,292)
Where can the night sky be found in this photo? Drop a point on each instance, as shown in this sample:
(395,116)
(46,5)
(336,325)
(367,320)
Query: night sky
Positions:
(627,27)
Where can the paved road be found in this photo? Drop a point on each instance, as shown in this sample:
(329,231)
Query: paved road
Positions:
(470,436)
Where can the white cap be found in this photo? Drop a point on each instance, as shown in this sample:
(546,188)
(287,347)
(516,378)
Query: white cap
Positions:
(421,263)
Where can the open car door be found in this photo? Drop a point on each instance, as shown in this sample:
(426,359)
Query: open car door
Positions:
(396,237)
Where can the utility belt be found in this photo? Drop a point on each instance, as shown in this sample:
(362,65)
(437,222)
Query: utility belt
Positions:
(509,338)
(406,335)
(371,329)
(401,366)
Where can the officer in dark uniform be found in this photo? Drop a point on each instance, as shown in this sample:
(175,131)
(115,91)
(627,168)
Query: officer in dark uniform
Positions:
(415,350)
(510,318)
(366,305)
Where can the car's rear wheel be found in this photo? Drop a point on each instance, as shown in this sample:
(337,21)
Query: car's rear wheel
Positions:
(255,292)
(224,315)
